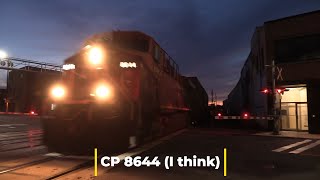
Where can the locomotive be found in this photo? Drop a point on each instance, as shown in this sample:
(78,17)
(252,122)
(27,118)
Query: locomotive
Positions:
(119,91)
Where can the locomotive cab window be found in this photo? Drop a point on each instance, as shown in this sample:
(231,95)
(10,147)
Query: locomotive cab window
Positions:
(156,54)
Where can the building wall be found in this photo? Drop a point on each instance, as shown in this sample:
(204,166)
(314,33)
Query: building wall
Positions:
(197,99)
(313,96)
(258,102)
(299,36)
(246,96)
(3,96)
(28,90)
(281,40)
(289,28)
(234,104)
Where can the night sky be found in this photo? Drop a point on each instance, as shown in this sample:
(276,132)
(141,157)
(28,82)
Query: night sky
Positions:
(208,39)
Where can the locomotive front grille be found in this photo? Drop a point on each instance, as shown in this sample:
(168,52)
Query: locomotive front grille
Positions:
(72,111)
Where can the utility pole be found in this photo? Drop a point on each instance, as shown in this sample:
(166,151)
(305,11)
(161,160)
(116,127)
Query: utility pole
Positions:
(212,96)
(276,125)
(215,97)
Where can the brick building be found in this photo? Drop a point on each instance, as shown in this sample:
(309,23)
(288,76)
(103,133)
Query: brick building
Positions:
(294,45)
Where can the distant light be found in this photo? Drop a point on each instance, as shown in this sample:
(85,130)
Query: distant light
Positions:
(32,112)
(245,115)
(279,90)
(3,54)
(219,114)
(128,65)
(68,66)
(265,90)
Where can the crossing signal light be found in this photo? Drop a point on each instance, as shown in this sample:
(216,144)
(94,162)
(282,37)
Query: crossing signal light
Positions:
(278,90)
(245,115)
(281,90)
(265,91)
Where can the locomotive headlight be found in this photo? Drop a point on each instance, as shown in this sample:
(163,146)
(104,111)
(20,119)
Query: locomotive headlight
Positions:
(58,92)
(95,56)
(102,92)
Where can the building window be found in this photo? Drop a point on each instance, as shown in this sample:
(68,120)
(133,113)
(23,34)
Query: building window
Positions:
(298,49)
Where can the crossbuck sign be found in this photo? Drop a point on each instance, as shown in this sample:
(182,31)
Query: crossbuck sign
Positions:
(279,76)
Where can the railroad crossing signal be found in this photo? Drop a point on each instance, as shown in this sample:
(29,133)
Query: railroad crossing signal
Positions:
(278,90)
(279,76)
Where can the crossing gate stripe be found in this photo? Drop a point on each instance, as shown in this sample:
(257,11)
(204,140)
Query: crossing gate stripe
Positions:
(241,117)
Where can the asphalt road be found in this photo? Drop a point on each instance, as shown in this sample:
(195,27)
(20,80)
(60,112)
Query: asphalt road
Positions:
(248,156)
(20,136)
(14,123)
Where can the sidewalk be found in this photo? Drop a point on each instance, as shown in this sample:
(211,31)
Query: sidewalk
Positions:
(291,134)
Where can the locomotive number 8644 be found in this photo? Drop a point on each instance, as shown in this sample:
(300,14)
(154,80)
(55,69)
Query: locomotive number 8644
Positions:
(120,90)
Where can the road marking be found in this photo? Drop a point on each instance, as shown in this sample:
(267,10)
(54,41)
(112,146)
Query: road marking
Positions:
(297,151)
(225,162)
(291,146)
(53,154)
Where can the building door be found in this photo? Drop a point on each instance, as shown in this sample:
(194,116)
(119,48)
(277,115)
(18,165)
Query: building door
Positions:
(288,116)
(294,109)
(302,116)
(294,116)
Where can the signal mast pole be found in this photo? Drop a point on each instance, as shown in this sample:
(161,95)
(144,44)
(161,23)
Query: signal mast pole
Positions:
(276,125)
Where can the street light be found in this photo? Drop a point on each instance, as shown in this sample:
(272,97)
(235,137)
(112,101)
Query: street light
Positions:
(3,54)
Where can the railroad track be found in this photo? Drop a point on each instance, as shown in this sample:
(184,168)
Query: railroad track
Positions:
(11,141)
(48,167)
(43,166)
(56,166)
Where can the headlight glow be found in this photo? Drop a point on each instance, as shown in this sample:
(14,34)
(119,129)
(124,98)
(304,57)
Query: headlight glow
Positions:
(95,56)
(58,92)
(102,92)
